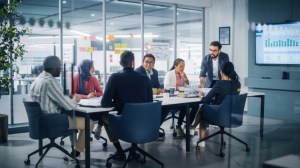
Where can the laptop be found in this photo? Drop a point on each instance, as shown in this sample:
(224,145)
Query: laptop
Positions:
(92,102)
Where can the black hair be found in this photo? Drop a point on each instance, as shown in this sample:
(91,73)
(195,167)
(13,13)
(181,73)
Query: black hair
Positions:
(216,43)
(228,69)
(126,58)
(176,62)
(149,55)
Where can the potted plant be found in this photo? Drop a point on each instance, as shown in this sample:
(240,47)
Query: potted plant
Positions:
(11,48)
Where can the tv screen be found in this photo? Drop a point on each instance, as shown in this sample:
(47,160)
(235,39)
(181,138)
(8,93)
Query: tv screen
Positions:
(278,44)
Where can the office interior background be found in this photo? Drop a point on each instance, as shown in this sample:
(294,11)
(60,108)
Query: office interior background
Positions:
(171,29)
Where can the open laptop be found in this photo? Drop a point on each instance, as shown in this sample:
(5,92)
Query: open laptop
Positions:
(92,102)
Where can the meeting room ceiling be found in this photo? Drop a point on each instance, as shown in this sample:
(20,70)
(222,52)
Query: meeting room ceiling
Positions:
(122,18)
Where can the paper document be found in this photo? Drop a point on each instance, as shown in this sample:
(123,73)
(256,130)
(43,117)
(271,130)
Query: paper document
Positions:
(92,102)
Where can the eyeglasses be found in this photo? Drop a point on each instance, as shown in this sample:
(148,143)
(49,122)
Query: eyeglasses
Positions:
(150,63)
(213,50)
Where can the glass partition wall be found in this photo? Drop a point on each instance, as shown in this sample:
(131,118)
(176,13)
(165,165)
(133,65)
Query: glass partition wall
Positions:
(78,33)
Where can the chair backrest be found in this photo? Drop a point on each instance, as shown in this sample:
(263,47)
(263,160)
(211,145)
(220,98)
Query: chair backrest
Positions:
(34,113)
(139,122)
(229,113)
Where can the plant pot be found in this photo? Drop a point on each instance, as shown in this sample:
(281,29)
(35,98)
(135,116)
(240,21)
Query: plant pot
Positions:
(3,128)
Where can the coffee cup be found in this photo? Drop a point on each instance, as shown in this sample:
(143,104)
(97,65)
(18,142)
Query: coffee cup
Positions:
(172,90)
(154,91)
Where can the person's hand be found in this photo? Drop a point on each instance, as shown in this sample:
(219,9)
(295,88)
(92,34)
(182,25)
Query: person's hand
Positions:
(76,98)
(200,94)
(90,95)
(159,91)
(201,85)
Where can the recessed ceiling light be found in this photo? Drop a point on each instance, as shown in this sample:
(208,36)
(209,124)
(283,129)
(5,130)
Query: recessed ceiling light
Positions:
(111,23)
(64,2)
(93,14)
(177,13)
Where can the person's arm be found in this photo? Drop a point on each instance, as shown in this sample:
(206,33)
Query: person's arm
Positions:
(184,78)
(156,81)
(98,89)
(167,80)
(203,72)
(202,82)
(212,93)
(55,93)
(107,99)
(76,88)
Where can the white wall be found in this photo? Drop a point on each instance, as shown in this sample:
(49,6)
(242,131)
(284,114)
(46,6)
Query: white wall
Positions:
(232,13)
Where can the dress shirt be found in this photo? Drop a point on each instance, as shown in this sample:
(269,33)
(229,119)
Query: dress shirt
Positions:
(47,91)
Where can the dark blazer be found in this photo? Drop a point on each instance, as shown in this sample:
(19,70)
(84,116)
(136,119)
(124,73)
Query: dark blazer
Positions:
(154,76)
(207,67)
(126,87)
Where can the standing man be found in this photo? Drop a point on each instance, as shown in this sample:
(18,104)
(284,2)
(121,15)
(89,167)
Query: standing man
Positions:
(210,66)
(47,91)
(148,69)
(125,87)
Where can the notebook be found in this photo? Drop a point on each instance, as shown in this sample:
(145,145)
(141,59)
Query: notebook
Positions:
(92,102)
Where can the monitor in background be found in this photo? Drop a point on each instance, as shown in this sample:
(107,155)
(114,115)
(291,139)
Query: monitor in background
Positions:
(278,44)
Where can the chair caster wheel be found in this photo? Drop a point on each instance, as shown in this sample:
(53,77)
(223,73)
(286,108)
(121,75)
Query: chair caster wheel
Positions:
(108,164)
(91,139)
(174,134)
(222,154)
(197,148)
(77,166)
(247,149)
(104,145)
(62,143)
(171,127)
(143,161)
(224,143)
(27,162)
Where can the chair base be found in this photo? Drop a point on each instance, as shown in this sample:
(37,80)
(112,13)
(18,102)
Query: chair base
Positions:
(173,117)
(48,147)
(134,148)
(101,137)
(222,132)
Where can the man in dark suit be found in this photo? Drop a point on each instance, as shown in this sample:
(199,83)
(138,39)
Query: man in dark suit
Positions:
(211,64)
(125,87)
(148,69)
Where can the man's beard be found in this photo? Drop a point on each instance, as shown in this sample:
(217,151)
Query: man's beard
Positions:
(214,56)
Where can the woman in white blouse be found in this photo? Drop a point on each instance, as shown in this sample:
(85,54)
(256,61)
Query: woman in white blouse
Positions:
(176,78)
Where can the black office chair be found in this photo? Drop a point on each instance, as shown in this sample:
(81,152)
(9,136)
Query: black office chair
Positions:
(229,114)
(139,123)
(41,126)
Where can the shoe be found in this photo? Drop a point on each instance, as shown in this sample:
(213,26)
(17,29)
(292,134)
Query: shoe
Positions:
(97,134)
(119,157)
(192,131)
(201,144)
(78,155)
(161,135)
(179,131)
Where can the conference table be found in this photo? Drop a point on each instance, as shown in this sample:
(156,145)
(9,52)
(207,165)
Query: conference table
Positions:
(86,112)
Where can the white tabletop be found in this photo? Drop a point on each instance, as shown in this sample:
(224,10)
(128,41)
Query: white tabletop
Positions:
(178,100)
(93,110)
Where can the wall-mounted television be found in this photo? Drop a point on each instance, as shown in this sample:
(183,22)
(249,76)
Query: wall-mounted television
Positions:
(278,44)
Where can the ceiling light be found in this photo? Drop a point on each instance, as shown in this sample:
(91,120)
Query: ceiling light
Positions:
(51,37)
(92,14)
(111,23)
(64,2)
(80,33)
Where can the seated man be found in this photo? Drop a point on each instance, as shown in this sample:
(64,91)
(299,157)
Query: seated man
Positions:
(125,87)
(47,91)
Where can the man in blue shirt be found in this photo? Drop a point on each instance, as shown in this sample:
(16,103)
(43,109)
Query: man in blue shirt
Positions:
(210,66)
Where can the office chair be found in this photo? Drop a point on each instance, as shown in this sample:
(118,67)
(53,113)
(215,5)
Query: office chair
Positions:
(139,123)
(41,126)
(173,117)
(229,114)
